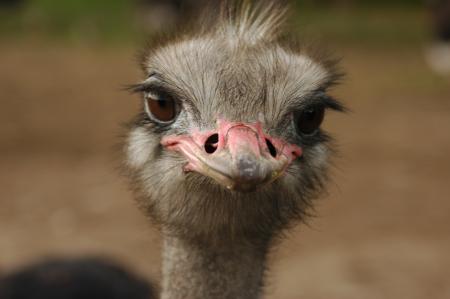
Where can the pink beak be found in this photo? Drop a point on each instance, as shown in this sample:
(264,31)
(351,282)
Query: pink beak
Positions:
(239,156)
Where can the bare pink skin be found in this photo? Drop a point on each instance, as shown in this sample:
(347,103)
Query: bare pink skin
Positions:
(240,159)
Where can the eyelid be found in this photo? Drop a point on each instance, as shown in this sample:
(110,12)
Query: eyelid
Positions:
(156,89)
(322,100)
(151,95)
(308,103)
(313,106)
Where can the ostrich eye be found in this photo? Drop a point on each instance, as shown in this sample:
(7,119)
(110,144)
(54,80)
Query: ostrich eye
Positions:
(160,107)
(308,121)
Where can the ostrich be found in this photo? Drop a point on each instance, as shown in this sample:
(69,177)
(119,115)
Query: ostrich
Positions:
(227,152)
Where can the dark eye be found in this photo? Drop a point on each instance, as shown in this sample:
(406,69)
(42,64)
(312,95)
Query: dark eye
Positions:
(308,121)
(161,107)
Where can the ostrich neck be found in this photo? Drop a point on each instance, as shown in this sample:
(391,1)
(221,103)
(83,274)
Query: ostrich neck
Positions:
(197,271)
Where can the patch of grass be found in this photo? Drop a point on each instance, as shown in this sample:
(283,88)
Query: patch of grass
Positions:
(365,24)
(71,19)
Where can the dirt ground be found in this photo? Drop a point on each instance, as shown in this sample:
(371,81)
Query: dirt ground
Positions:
(382,232)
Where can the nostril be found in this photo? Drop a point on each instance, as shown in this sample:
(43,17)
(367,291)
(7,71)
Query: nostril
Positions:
(211,143)
(271,147)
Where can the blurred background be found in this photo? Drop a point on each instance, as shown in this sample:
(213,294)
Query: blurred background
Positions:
(383,231)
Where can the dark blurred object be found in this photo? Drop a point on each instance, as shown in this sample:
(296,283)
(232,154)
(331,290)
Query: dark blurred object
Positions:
(11,3)
(438,54)
(85,278)
(441,19)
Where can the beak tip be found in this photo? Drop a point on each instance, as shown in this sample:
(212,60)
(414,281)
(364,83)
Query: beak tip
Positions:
(247,168)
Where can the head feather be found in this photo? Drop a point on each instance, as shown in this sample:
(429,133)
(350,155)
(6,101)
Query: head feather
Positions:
(250,22)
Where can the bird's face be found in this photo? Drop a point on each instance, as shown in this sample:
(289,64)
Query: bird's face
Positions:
(229,134)
(237,155)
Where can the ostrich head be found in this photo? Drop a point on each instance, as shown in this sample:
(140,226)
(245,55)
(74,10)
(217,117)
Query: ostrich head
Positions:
(228,142)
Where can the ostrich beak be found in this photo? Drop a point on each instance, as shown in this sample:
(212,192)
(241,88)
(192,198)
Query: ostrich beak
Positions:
(239,156)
